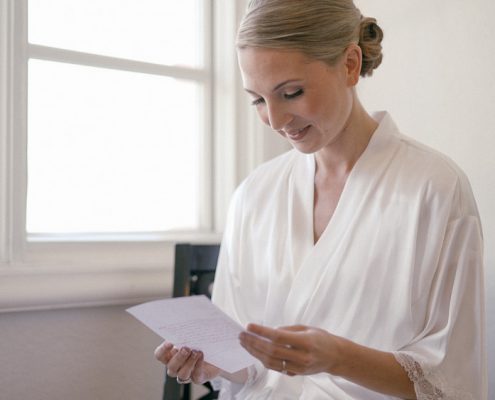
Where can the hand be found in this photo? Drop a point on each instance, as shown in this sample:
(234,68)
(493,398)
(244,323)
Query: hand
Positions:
(305,350)
(185,363)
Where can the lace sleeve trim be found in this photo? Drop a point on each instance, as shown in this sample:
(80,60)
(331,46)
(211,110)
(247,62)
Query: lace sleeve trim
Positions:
(230,390)
(427,384)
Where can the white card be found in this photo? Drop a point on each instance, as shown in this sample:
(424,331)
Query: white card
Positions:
(195,322)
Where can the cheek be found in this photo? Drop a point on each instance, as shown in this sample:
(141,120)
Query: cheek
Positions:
(316,110)
(328,108)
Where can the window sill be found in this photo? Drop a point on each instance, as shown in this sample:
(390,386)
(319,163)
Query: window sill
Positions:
(36,287)
(77,274)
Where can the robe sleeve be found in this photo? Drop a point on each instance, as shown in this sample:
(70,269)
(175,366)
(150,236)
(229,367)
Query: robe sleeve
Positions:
(235,391)
(226,277)
(446,360)
(225,293)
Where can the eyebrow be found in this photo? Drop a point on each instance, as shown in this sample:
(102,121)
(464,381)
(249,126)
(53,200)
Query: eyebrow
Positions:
(278,86)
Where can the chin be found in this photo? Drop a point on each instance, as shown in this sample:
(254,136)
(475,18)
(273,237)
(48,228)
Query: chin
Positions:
(305,148)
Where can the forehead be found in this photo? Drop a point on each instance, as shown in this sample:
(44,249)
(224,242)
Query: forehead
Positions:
(263,68)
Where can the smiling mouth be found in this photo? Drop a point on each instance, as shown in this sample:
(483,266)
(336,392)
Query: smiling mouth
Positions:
(299,134)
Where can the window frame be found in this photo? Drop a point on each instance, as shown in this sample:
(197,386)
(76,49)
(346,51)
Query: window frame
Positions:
(202,76)
(74,270)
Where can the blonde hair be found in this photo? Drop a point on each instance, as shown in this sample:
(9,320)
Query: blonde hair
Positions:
(321,29)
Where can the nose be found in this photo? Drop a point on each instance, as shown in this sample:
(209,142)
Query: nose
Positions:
(276,117)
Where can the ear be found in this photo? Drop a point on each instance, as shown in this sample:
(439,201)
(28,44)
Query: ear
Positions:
(353,58)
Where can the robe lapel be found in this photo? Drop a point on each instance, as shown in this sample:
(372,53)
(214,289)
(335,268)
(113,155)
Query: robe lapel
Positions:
(314,263)
(300,209)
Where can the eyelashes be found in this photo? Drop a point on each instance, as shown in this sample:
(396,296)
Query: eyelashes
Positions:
(286,96)
(293,95)
(258,101)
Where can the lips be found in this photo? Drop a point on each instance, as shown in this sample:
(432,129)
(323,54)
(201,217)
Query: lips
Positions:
(299,134)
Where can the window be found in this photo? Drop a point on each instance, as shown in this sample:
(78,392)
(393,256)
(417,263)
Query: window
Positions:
(118,103)
(112,149)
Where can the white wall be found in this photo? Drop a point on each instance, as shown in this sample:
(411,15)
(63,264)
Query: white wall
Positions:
(438,81)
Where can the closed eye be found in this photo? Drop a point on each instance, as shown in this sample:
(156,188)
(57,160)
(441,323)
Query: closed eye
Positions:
(293,95)
(287,96)
(258,101)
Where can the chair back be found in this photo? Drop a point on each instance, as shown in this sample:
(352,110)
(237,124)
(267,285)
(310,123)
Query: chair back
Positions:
(194,272)
(194,269)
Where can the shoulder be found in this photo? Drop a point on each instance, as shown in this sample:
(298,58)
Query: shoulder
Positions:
(417,171)
(266,185)
(259,194)
(436,175)
(411,156)
(428,162)
(271,169)
(270,174)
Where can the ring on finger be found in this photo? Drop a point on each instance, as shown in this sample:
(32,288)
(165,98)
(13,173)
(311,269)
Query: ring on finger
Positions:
(284,367)
(183,381)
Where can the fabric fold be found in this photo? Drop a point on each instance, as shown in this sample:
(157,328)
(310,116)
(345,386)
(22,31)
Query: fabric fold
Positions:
(399,268)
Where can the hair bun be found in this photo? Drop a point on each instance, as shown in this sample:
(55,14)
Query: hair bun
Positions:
(370,39)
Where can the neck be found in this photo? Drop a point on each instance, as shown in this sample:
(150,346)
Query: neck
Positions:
(338,158)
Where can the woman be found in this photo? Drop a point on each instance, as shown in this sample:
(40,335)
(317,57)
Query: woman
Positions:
(355,260)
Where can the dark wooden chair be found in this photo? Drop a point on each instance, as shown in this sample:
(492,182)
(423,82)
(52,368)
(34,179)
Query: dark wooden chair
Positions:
(194,272)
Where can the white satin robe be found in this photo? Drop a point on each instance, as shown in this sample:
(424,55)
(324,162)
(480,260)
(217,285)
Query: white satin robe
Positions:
(398,268)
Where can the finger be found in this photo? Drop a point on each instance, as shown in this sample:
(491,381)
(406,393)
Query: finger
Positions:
(288,368)
(275,335)
(178,361)
(272,354)
(268,361)
(162,352)
(185,372)
(172,353)
(197,375)
(282,365)
(265,349)
(294,328)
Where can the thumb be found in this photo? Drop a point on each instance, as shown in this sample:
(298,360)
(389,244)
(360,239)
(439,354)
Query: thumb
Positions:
(294,328)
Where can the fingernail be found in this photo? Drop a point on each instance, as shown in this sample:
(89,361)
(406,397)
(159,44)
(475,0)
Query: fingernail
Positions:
(185,351)
(160,350)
